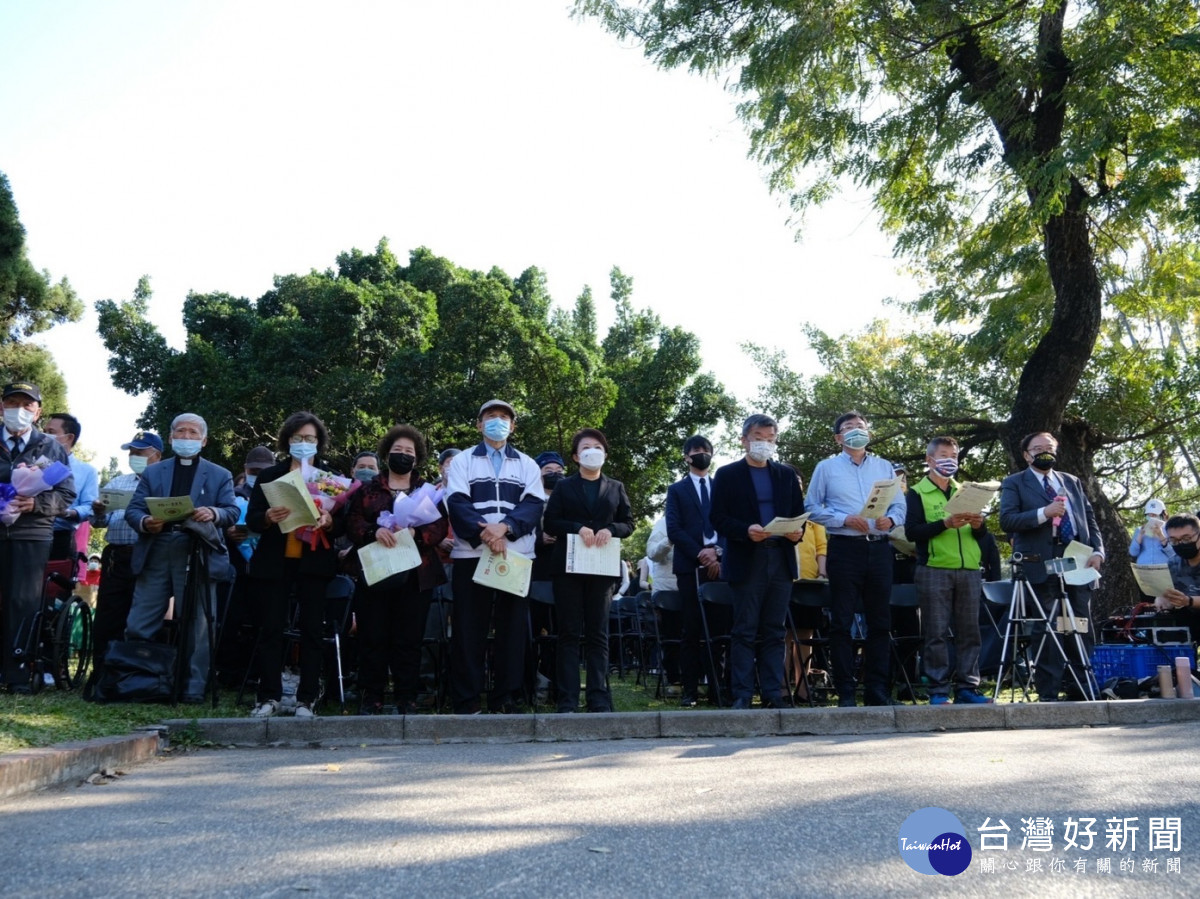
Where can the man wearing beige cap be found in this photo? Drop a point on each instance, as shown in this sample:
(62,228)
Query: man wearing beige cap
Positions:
(494,496)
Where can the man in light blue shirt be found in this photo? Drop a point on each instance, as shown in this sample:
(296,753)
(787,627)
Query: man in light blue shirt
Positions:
(65,428)
(859,561)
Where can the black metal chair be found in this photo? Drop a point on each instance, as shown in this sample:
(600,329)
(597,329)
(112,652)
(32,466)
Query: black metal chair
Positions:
(543,640)
(665,608)
(716,607)
(809,597)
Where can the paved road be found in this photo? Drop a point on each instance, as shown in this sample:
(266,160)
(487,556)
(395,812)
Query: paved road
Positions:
(760,817)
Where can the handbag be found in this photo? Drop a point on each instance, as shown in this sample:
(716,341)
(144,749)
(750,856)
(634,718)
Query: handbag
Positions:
(137,671)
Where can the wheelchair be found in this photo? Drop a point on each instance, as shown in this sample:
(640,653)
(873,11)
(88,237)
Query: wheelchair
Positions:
(56,644)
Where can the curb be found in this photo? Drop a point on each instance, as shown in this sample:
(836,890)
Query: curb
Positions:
(394,730)
(34,769)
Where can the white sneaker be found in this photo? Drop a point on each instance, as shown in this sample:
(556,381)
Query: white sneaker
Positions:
(265,709)
(304,710)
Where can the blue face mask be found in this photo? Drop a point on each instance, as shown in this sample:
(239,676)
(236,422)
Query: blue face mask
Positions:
(365,474)
(185,448)
(251,480)
(302,450)
(856,438)
(496,429)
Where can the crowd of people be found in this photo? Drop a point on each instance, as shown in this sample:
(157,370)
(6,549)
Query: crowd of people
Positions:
(493,520)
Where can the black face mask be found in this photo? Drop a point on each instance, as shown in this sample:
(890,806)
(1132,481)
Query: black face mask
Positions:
(1186,551)
(700,461)
(1044,461)
(551,480)
(401,463)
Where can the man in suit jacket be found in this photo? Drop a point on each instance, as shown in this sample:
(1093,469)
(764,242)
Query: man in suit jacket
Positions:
(690,531)
(160,557)
(748,494)
(25,544)
(1044,510)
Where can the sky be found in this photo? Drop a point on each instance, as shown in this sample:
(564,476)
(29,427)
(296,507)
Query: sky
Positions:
(215,145)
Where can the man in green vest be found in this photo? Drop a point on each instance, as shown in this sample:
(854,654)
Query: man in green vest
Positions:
(948,580)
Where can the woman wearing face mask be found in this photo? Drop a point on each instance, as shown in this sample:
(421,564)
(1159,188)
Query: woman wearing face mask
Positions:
(595,508)
(282,562)
(392,613)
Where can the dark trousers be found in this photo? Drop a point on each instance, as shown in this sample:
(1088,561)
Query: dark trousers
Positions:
(22,572)
(759,612)
(476,610)
(860,576)
(62,544)
(581,605)
(274,597)
(1048,679)
(392,616)
(950,600)
(114,596)
(691,634)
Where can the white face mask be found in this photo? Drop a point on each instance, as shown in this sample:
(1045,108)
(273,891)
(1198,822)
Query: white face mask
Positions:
(18,420)
(760,450)
(137,464)
(591,458)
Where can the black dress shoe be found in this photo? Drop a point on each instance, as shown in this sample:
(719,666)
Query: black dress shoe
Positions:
(740,704)
(880,699)
(847,702)
(687,701)
(191,700)
(778,702)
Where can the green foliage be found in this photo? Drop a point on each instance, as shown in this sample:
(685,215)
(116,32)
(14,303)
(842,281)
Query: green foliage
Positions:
(373,342)
(29,303)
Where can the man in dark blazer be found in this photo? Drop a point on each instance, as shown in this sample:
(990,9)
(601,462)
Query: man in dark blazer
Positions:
(748,494)
(690,531)
(1044,510)
(160,557)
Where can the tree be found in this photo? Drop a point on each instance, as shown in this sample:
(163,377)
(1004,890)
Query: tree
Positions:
(374,342)
(1017,152)
(29,304)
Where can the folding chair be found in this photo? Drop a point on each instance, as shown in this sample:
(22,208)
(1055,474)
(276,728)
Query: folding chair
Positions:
(435,645)
(904,596)
(664,635)
(625,632)
(338,596)
(716,606)
(543,641)
(807,596)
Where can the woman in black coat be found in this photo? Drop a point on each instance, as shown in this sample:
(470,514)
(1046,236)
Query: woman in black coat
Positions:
(596,509)
(282,562)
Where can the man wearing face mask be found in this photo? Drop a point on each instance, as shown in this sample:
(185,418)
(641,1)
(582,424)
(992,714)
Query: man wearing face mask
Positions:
(65,428)
(948,579)
(160,557)
(495,498)
(690,531)
(760,568)
(1044,510)
(115,594)
(860,561)
(25,544)
(1184,601)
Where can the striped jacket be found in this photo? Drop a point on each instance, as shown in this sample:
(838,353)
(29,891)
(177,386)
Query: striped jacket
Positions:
(474,493)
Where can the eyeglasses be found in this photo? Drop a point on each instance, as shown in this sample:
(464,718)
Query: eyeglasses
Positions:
(305,438)
(1184,541)
(1034,450)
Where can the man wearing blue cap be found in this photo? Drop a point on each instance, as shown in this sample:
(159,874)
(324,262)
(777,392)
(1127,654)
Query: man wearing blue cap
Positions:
(115,593)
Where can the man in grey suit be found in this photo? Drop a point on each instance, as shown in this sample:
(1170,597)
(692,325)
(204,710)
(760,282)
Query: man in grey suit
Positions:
(1044,510)
(160,557)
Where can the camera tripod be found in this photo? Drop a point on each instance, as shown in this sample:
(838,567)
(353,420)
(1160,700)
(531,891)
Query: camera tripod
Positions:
(1027,619)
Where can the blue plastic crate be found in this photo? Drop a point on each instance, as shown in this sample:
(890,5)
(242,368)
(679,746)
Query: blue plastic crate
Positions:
(1135,660)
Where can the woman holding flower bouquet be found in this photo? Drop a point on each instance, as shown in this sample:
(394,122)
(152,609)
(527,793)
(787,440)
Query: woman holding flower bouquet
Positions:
(302,559)
(392,613)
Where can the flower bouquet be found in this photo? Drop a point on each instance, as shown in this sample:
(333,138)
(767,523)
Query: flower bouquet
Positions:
(30,480)
(413,509)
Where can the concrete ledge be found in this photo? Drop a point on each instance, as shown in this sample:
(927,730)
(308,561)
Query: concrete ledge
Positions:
(610,726)
(1056,714)
(826,721)
(35,769)
(223,731)
(720,723)
(1153,711)
(470,728)
(336,731)
(926,718)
